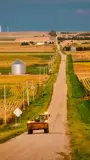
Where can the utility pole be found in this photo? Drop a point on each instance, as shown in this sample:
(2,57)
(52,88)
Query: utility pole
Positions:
(33,89)
(27,93)
(5,116)
(23,99)
(39,75)
(44,73)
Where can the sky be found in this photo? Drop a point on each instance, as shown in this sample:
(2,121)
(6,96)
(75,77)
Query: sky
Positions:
(45,15)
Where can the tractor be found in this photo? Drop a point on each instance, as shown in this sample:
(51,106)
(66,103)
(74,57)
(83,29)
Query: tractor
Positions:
(39,123)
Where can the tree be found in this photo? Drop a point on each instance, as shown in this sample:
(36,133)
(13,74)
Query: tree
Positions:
(24,43)
(53,33)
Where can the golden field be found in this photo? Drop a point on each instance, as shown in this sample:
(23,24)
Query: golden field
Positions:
(16,86)
(82,70)
(16,47)
(81,56)
(23,34)
(11,79)
(6,59)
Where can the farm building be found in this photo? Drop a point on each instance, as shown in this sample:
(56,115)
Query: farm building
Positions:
(73,48)
(18,67)
(40,43)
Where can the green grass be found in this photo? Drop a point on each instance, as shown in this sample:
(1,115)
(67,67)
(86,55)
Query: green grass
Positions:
(45,57)
(77,90)
(79,129)
(78,117)
(35,69)
(84,111)
(70,69)
(40,105)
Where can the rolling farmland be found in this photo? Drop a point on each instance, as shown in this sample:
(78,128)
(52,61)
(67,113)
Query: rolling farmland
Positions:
(29,59)
(81,63)
(81,56)
(82,70)
(16,47)
(35,57)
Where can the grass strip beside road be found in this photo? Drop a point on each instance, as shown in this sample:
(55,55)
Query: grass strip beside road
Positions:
(40,105)
(78,116)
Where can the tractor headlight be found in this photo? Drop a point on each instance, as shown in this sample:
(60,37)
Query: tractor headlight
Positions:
(46,121)
(28,122)
(45,113)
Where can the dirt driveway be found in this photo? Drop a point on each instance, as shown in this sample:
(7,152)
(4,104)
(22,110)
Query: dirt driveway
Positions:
(39,146)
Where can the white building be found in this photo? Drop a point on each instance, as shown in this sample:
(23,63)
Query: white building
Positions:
(73,48)
(18,67)
(40,43)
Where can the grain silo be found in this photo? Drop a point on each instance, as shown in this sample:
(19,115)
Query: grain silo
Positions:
(18,67)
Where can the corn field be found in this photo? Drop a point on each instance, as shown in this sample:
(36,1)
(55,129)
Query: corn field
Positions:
(15,96)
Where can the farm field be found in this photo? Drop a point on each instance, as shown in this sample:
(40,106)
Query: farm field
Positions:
(23,34)
(11,105)
(82,70)
(35,57)
(11,79)
(81,56)
(76,52)
(33,61)
(14,97)
(15,89)
(29,59)
(78,114)
(16,47)
(81,63)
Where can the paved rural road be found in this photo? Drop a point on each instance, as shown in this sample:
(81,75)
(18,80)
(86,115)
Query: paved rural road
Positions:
(39,146)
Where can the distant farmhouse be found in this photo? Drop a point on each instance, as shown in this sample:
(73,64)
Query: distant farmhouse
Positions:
(73,48)
(36,40)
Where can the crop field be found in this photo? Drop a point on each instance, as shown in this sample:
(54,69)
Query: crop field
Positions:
(81,56)
(14,94)
(7,59)
(16,91)
(78,114)
(11,79)
(82,70)
(22,34)
(37,60)
(11,105)
(33,61)
(16,47)
(86,83)
(81,63)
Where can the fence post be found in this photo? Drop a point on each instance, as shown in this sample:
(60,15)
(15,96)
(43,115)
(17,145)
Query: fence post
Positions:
(27,93)
(5,115)
(23,99)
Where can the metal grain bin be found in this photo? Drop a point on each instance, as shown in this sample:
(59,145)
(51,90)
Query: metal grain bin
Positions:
(18,67)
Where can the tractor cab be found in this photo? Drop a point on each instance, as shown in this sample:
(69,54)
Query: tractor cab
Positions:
(42,117)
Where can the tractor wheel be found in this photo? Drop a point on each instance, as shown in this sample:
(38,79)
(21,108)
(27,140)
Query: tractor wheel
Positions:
(30,131)
(46,130)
